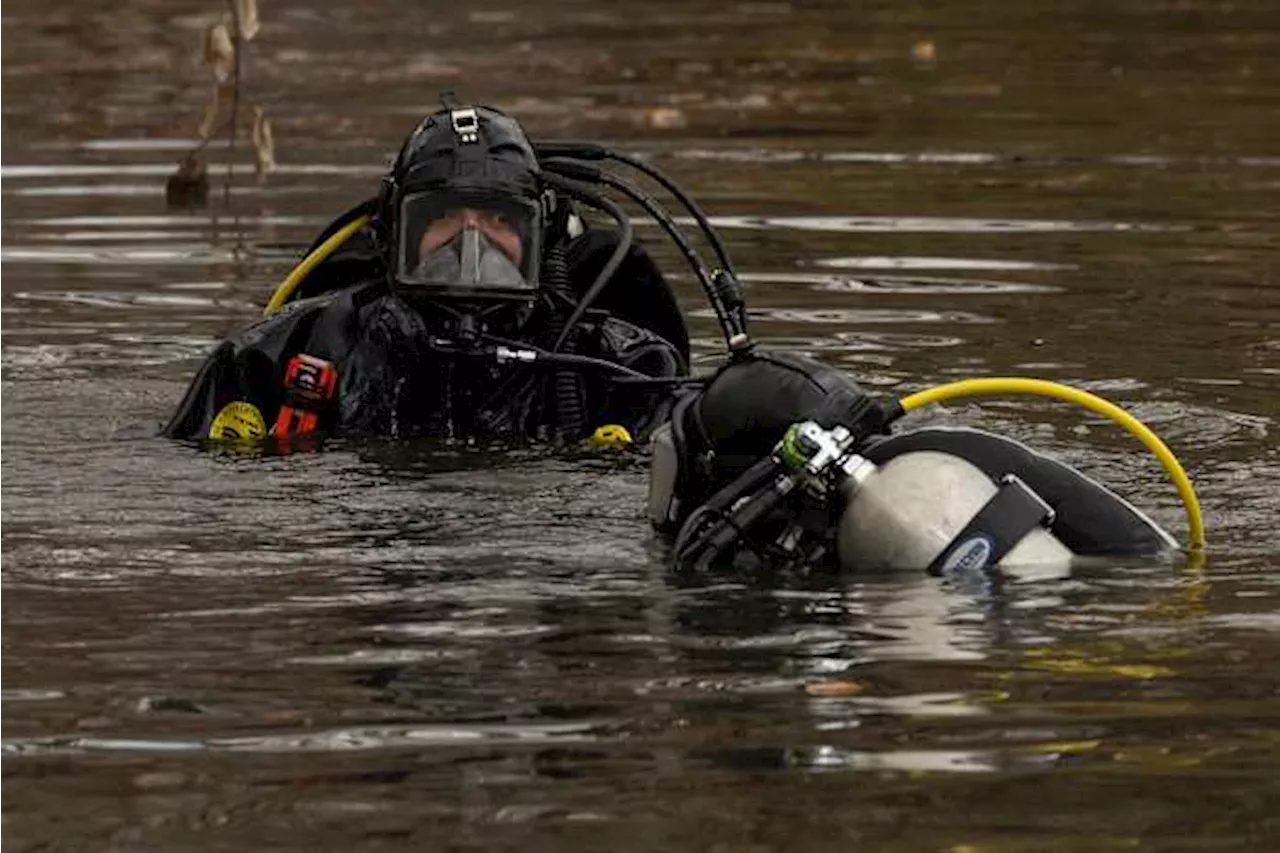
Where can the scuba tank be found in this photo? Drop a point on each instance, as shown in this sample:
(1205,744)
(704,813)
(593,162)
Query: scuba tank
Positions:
(921,510)
(932,509)
(784,459)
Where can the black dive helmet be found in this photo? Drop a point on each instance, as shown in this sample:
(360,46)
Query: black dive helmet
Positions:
(463,208)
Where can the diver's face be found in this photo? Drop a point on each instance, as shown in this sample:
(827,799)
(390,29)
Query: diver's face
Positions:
(494,225)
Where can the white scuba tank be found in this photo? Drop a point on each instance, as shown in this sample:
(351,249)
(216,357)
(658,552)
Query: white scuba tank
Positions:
(901,515)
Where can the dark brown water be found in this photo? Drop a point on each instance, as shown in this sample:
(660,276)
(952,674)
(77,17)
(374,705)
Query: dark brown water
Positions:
(399,648)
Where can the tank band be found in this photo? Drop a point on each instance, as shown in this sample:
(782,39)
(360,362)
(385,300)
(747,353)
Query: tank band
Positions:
(1011,513)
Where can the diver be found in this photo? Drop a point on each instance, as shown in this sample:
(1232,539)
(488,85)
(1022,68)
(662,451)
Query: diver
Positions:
(469,300)
(473,300)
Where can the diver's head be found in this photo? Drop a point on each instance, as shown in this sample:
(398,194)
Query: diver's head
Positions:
(464,213)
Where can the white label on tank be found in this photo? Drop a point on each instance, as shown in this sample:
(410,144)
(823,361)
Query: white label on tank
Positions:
(972,553)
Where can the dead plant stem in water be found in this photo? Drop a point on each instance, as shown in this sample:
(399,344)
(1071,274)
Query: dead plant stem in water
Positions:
(224,45)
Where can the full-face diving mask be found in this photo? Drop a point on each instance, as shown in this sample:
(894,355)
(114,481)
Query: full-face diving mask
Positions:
(468,244)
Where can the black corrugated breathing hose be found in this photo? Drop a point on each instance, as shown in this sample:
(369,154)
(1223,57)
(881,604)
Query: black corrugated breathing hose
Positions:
(567,382)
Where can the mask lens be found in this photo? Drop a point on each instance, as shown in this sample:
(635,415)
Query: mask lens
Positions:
(493,224)
(468,243)
(471,264)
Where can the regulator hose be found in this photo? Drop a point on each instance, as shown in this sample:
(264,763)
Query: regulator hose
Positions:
(1045,388)
(299,273)
(584,193)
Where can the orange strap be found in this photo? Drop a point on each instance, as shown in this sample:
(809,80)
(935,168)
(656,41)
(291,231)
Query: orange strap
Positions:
(292,421)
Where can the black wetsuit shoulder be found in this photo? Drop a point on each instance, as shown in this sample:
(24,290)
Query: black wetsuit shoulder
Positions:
(249,366)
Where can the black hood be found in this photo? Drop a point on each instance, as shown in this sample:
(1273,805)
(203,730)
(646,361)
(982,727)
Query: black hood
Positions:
(478,148)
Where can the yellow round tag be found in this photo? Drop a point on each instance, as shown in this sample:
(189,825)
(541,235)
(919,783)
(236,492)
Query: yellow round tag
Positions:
(611,435)
(238,421)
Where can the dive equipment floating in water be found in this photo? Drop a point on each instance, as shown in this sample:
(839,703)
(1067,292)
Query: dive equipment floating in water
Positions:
(920,509)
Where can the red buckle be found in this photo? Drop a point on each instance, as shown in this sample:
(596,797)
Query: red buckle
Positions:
(309,383)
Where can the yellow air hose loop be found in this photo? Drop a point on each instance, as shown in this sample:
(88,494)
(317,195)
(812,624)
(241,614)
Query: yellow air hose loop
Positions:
(1045,388)
(299,273)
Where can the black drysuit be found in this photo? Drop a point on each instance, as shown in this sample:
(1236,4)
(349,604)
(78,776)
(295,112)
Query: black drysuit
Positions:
(399,376)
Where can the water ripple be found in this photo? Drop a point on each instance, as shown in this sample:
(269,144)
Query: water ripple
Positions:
(936,224)
(883,262)
(161,170)
(196,253)
(332,740)
(851,316)
(960,158)
(827,283)
(120,299)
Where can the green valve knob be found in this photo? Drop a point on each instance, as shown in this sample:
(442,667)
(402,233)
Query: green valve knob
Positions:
(796,448)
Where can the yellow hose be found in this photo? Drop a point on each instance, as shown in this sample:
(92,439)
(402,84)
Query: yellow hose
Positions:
(299,273)
(1045,388)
